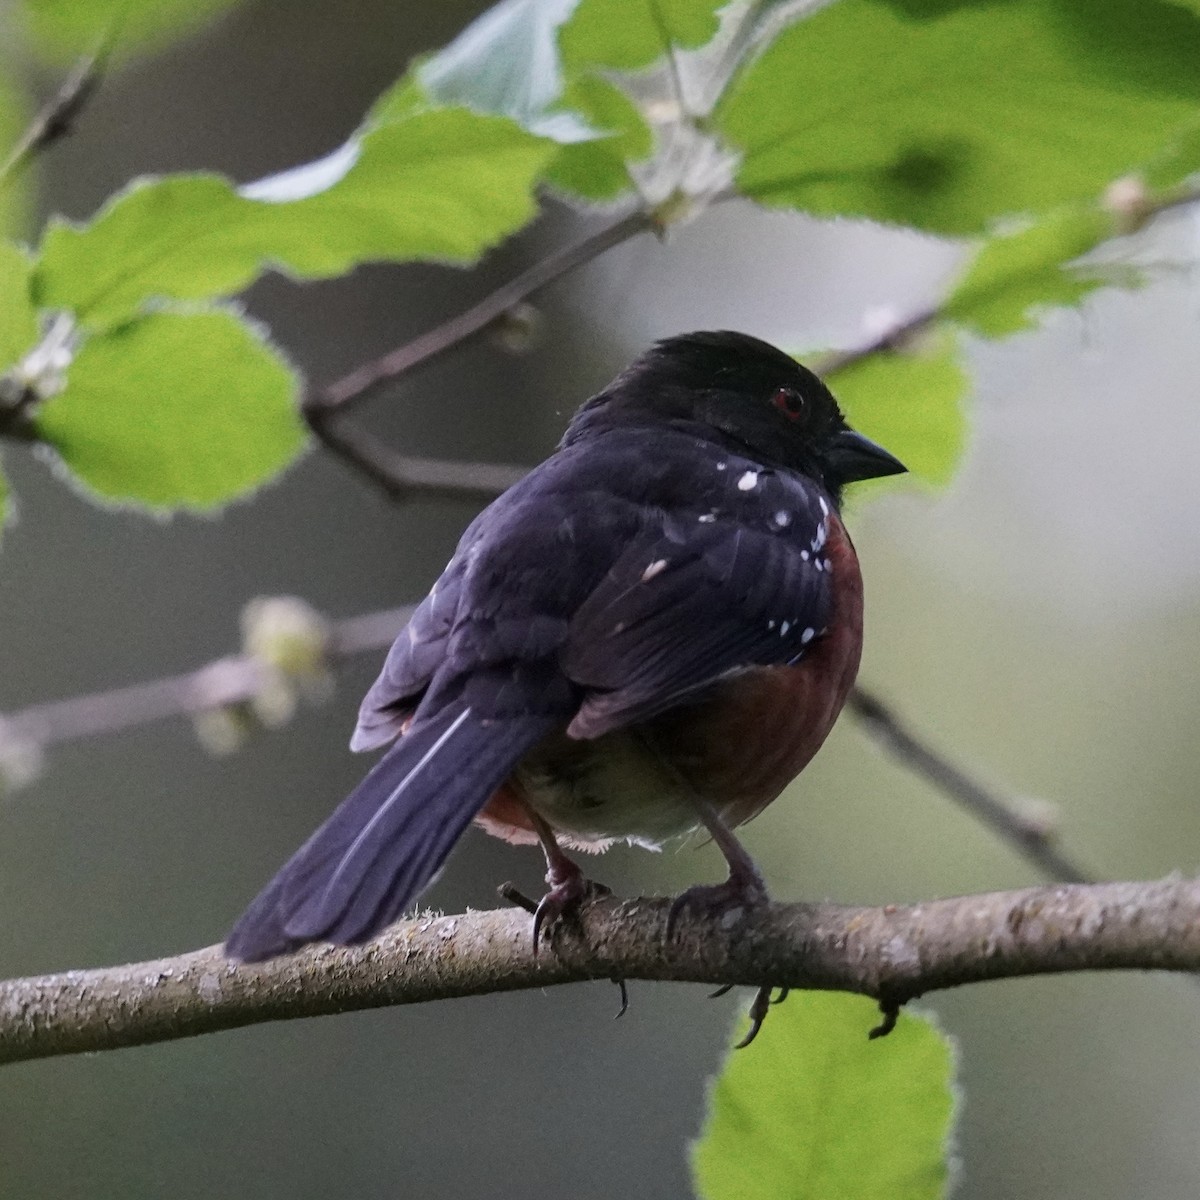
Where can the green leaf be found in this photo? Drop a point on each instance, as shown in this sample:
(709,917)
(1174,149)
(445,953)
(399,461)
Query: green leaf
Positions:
(185,237)
(18,315)
(62,28)
(945,114)
(441,185)
(1014,277)
(912,404)
(176,410)
(815,1111)
(598,169)
(628,34)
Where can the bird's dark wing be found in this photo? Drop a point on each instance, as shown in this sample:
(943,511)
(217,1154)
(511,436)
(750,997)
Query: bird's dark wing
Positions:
(696,600)
(520,570)
(415,656)
(475,682)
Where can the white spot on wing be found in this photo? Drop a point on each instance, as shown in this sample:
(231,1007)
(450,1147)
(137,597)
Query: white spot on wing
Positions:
(807,636)
(782,519)
(707,518)
(748,481)
(655,568)
(784,628)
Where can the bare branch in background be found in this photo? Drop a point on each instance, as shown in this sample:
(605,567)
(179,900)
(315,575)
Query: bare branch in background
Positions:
(893,339)
(326,409)
(1027,835)
(229,681)
(237,679)
(401,477)
(363,381)
(59,116)
(893,954)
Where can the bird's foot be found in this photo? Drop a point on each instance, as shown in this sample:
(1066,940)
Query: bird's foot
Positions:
(569,888)
(759,1007)
(725,903)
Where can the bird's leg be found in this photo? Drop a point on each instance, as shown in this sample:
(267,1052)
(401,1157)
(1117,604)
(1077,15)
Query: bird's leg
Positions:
(569,887)
(744,889)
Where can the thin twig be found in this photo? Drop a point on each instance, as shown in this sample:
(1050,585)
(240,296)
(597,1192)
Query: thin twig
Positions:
(228,681)
(401,477)
(892,953)
(325,409)
(365,380)
(1029,837)
(891,339)
(59,116)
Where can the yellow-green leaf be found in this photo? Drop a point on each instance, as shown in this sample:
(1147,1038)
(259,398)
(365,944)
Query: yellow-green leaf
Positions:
(597,169)
(814,1111)
(176,410)
(62,28)
(442,185)
(946,114)
(1012,278)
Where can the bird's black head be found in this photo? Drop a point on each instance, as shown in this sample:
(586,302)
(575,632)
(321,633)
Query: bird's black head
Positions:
(746,394)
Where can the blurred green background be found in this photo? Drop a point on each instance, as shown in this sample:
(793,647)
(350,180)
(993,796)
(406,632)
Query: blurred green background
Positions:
(1038,622)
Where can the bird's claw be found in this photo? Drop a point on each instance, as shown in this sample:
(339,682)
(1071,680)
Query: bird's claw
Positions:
(759,1007)
(568,890)
(717,901)
(624,999)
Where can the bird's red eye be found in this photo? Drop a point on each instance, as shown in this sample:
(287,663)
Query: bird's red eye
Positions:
(789,402)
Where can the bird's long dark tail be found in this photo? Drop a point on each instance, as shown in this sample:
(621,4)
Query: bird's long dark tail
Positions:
(387,840)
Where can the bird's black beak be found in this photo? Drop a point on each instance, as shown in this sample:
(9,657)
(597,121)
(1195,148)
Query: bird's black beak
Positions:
(853,457)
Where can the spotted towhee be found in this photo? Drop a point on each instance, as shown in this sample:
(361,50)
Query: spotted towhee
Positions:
(653,632)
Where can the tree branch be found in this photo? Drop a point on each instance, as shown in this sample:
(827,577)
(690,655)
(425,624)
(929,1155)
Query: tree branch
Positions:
(233,680)
(892,953)
(58,117)
(1033,839)
(401,477)
(325,408)
(365,380)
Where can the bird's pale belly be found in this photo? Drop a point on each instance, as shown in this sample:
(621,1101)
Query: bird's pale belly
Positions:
(611,789)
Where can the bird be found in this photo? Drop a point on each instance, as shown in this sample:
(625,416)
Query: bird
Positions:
(650,634)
